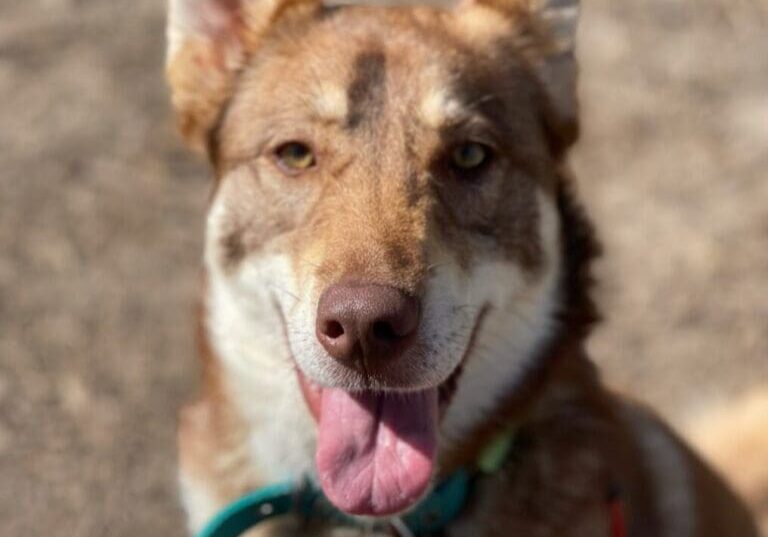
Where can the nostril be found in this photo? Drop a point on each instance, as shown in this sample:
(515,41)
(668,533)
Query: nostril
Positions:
(333,329)
(365,323)
(383,330)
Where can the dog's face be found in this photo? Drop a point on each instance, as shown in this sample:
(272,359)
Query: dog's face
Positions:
(384,207)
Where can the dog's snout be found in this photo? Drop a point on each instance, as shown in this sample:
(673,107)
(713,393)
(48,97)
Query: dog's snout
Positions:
(366,322)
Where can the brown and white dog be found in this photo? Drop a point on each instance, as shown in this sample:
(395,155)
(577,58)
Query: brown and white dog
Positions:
(396,271)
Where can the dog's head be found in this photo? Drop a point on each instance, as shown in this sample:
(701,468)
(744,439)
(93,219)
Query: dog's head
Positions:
(384,209)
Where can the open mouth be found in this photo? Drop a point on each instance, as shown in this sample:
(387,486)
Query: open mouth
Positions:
(376,450)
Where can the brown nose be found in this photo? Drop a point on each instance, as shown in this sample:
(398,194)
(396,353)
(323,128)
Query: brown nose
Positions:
(366,322)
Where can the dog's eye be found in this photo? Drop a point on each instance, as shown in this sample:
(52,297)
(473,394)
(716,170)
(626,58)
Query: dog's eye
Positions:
(295,156)
(470,156)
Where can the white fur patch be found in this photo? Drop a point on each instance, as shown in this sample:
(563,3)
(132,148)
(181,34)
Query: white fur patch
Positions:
(330,102)
(438,108)
(197,501)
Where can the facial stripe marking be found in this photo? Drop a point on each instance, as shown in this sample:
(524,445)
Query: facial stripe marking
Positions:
(365,94)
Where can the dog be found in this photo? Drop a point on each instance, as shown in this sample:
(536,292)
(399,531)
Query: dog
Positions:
(397,276)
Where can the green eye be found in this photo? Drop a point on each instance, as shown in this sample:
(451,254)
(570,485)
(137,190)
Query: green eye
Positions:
(295,156)
(470,155)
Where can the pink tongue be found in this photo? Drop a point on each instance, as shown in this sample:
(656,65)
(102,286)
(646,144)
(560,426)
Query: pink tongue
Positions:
(375,450)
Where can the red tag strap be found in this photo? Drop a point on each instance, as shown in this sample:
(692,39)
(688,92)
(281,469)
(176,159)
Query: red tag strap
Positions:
(617,519)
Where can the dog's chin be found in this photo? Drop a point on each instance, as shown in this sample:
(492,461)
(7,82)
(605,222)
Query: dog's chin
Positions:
(376,449)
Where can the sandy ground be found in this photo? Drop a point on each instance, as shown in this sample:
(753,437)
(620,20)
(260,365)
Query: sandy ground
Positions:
(101,224)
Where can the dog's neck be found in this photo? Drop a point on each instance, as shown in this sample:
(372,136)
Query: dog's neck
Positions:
(247,372)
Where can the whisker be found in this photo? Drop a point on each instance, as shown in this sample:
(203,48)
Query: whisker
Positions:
(481,100)
(434,266)
(309,263)
(285,291)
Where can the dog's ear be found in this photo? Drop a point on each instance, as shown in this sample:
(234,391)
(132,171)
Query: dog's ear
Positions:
(545,32)
(209,42)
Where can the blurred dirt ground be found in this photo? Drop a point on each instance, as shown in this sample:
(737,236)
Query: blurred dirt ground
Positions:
(101,215)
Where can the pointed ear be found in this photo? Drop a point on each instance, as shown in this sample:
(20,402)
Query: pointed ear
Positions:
(209,41)
(557,69)
(544,31)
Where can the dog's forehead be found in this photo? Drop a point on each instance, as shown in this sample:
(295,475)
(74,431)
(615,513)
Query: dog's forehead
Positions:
(382,81)
(384,76)
(360,62)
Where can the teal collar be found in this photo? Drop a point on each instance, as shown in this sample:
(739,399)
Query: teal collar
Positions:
(434,513)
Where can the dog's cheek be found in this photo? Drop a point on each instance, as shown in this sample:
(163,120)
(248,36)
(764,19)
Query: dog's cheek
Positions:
(306,349)
(231,218)
(521,318)
(252,215)
(249,254)
(530,255)
(448,315)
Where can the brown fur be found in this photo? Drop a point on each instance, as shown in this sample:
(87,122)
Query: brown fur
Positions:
(380,199)
(484,211)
